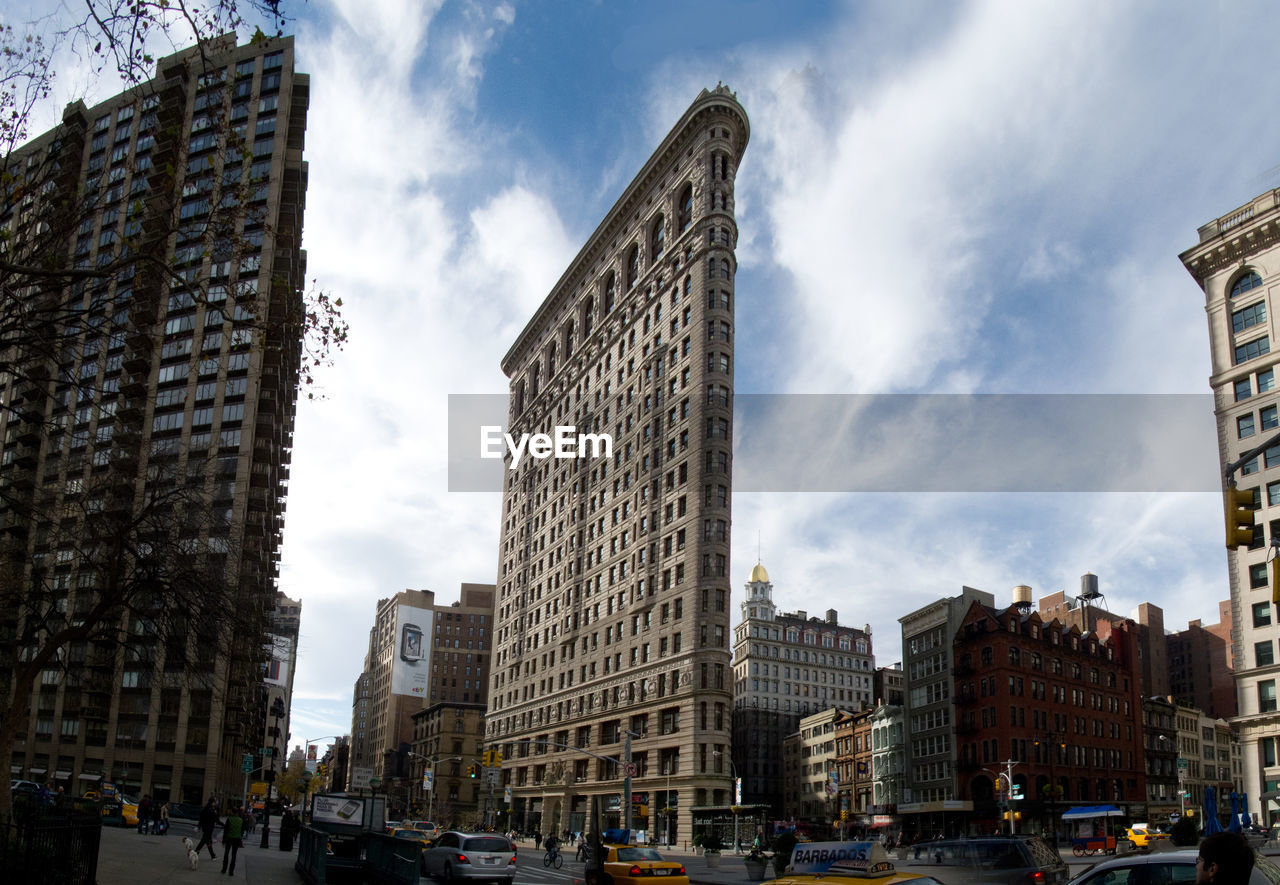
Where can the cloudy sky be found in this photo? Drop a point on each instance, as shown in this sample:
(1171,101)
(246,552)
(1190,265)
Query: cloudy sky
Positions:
(936,198)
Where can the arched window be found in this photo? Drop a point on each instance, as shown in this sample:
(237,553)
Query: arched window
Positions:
(610,292)
(684,216)
(657,237)
(551,360)
(568,339)
(633,266)
(588,316)
(1245,283)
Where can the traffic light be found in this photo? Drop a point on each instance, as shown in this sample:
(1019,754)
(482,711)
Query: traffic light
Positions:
(471,771)
(1240,514)
(497,758)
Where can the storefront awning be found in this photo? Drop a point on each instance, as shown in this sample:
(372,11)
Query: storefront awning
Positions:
(90,777)
(62,775)
(1084,812)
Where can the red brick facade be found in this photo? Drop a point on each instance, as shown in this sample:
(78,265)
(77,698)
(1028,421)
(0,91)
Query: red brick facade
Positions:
(1064,705)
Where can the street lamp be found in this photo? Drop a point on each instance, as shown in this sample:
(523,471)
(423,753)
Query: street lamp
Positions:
(736,800)
(431,793)
(306,796)
(1054,743)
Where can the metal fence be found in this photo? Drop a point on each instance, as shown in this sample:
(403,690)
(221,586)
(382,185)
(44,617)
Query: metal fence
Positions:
(50,848)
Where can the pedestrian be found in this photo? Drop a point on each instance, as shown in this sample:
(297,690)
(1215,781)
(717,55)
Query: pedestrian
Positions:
(144,815)
(158,815)
(250,821)
(232,839)
(208,820)
(1225,859)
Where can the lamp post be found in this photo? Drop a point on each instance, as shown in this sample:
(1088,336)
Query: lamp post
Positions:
(1054,743)
(277,712)
(306,796)
(431,793)
(736,799)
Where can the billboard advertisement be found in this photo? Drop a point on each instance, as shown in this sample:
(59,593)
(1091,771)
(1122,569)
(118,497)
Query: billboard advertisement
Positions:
(280,650)
(337,810)
(411,658)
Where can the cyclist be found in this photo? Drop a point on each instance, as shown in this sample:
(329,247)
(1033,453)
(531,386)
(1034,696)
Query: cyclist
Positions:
(552,845)
(582,846)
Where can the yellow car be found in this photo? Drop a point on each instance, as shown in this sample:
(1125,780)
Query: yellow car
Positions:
(640,865)
(1142,837)
(129,810)
(420,836)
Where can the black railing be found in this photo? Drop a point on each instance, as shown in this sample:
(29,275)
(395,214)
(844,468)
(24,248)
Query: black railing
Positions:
(50,848)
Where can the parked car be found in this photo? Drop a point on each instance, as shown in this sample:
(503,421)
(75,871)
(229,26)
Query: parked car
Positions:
(1164,868)
(425,826)
(478,856)
(987,860)
(21,786)
(638,865)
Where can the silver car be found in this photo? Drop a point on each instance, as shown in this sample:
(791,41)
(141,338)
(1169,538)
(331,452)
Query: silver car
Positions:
(987,860)
(455,856)
(1164,868)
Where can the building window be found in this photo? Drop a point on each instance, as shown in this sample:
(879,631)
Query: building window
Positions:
(1263,653)
(1252,349)
(1261,614)
(1269,417)
(633,268)
(684,217)
(1267,696)
(1244,426)
(1248,317)
(658,236)
(1245,283)
(1266,380)
(1257,575)
(1243,389)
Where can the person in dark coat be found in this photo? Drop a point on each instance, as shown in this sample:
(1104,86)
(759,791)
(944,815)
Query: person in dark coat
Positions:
(208,820)
(144,815)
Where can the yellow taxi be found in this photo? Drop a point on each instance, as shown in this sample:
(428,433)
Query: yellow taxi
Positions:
(129,810)
(1143,837)
(641,865)
(416,835)
(857,863)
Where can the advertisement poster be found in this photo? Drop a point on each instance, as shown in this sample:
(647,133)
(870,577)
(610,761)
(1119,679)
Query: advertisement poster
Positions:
(338,810)
(411,665)
(280,649)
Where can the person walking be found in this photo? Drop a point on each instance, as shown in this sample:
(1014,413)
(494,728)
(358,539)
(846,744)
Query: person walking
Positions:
(1225,859)
(208,820)
(159,813)
(144,815)
(232,839)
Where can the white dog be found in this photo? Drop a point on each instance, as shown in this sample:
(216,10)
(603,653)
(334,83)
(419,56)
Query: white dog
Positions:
(192,857)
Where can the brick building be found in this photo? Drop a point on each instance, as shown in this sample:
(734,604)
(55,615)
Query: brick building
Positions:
(1061,703)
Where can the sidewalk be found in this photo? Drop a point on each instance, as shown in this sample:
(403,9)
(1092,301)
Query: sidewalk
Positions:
(125,858)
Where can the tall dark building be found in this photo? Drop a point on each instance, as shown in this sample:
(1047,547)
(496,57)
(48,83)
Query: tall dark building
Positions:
(159,389)
(613,578)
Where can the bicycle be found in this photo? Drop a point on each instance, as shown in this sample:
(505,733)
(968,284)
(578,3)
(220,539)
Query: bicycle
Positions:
(553,859)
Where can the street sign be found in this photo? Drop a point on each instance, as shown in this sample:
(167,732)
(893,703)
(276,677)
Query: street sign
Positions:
(630,769)
(492,775)
(375,781)
(267,751)
(1183,764)
(246,763)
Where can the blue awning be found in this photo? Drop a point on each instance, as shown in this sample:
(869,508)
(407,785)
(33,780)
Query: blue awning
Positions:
(1087,811)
